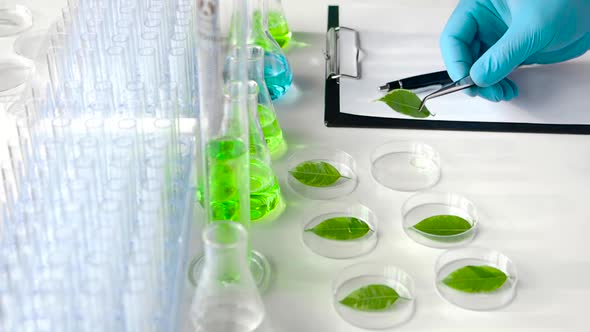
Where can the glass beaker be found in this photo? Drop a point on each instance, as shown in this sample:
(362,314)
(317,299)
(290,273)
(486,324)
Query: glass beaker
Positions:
(277,70)
(277,23)
(226,297)
(266,201)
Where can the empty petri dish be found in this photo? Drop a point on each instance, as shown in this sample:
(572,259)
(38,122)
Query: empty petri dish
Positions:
(405,166)
(340,230)
(32,44)
(15,72)
(14,19)
(439,220)
(374,296)
(476,278)
(322,173)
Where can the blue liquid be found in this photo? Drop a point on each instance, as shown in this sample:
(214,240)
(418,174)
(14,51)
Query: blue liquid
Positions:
(277,74)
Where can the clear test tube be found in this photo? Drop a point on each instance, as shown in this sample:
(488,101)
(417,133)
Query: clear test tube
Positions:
(121,191)
(90,66)
(150,73)
(86,169)
(61,128)
(142,269)
(135,306)
(98,295)
(150,229)
(91,148)
(127,26)
(104,98)
(16,159)
(180,73)
(98,24)
(121,71)
(113,237)
(154,34)
(135,100)
(79,191)
(74,98)
(54,56)
(95,126)
(73,7)
(92,48)
(58,283)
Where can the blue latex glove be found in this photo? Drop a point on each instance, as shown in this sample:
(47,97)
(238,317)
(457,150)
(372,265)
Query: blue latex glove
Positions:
(488,39)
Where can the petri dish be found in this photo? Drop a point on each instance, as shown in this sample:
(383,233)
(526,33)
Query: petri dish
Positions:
(455,259)
(259,266)
(406,166)
(342,237)
(14,19)
(319,185)
(440,210)
(32,44)
(15,72)
(369,277)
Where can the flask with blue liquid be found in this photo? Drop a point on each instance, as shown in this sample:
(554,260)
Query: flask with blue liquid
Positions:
(277,71)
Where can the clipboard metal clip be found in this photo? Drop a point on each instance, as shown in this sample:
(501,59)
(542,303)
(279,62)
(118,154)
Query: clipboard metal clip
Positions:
(333,53)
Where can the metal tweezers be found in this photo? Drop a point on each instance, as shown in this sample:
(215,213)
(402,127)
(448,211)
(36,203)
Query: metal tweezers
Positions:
(462,84)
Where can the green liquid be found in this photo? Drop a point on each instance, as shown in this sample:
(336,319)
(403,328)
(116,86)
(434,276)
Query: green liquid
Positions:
(226,159)
(265,193)
(278,28)
(273,134)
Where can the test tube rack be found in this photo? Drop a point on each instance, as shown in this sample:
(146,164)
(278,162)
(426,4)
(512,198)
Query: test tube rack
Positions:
(97,196)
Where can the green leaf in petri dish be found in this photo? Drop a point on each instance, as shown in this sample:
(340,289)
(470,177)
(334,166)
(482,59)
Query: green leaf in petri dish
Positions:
(443,225)
(405,102)
(476,279)
(341,229)
(316,173)
(371,298)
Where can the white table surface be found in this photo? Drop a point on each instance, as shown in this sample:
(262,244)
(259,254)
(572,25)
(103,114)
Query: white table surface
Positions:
(531,191)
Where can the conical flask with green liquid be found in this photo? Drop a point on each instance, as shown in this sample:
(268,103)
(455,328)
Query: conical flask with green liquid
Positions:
(266,201)
(277,23)
(273,134)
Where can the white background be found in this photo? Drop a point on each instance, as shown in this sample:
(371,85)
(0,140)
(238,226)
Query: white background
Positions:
(531,191)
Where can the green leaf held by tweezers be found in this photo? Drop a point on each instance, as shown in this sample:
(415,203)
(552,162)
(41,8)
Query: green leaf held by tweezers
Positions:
(443,225)
(341,229)
(476,279)
(316,173)
(372,298)
(405,102)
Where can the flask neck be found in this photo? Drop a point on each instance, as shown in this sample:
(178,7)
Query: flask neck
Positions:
(226,251)
(257,14)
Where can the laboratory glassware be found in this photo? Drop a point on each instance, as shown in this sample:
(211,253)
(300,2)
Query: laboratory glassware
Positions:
(277,70)
(266,201)
(226,298)
(273,134)
(277,23)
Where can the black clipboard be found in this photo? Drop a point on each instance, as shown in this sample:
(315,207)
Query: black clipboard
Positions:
(334,118)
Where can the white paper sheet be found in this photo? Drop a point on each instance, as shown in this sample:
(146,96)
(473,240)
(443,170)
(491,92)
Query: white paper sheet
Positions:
(549,94)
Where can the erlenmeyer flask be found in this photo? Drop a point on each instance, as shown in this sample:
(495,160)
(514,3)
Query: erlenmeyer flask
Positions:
(266,201)
(277,71)
(273,134)
(226,298)
(277,23)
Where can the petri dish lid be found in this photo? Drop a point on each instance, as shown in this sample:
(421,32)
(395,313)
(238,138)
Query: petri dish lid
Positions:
(15,73)
(31,44)
(406,166)
(14,19)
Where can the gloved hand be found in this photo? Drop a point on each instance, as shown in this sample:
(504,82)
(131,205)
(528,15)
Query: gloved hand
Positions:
(488,39)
